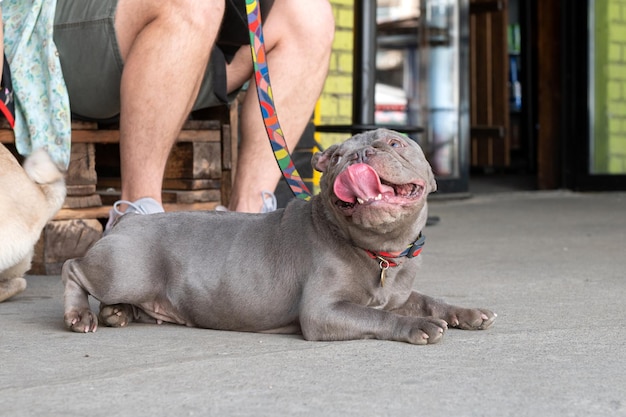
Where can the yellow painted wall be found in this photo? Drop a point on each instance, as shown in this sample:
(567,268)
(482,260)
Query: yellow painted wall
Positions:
(335,104)
(610,87)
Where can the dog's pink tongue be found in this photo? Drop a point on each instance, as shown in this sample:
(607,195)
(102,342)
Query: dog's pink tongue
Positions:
(357,181)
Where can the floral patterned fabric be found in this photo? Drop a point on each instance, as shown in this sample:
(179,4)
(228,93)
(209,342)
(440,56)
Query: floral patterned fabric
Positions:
(42,110)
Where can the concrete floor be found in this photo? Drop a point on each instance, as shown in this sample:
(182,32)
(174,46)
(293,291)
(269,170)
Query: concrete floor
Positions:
(551,264)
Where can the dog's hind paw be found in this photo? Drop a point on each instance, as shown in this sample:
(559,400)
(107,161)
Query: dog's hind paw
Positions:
(83,321)
(116,315)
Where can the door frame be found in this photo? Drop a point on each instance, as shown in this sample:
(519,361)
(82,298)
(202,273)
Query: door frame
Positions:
(575,124)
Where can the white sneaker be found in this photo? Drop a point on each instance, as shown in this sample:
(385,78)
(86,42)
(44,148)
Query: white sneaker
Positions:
(144,205)
(269,203)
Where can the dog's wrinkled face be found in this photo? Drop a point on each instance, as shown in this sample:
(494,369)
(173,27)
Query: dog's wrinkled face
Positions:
(375,178)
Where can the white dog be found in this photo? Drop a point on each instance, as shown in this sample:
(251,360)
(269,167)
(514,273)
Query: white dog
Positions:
(29,197)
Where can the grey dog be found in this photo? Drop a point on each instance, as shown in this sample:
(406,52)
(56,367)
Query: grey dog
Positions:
(338,267)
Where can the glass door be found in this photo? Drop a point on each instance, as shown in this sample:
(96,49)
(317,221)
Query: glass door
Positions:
(444,87)
(423,80)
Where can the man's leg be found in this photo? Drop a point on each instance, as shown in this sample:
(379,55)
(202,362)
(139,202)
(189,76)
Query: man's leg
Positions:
(166,47)
(298,38)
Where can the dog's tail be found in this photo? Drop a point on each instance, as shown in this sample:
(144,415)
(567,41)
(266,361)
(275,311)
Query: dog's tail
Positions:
(50,178)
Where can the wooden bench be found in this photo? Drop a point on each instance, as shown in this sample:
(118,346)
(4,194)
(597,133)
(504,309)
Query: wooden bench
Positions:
(198,176)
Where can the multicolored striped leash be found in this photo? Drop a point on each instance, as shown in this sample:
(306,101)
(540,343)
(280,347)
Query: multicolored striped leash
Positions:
(266,101)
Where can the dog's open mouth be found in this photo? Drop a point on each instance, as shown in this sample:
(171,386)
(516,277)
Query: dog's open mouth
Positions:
(359,184)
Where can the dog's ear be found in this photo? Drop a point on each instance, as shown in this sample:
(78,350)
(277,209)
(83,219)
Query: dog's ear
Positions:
(320,160)
(431,181)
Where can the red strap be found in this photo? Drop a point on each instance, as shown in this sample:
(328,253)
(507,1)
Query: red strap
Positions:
(7,105)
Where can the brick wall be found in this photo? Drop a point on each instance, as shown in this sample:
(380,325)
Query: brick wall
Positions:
(335,104)
(610,87)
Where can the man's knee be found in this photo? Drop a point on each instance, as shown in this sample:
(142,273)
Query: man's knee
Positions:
(198,15)
(197,20)
(311,21)
(323,24)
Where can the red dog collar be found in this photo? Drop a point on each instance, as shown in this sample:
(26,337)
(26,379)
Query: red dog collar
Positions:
(411,251)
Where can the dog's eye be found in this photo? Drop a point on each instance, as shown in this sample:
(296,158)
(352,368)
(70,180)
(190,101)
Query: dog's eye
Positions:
(335,159)
(395,143)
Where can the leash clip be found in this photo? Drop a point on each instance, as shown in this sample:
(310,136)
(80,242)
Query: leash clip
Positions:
(384,266)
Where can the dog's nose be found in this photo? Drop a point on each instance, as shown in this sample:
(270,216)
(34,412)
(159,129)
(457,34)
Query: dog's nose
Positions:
(363,155)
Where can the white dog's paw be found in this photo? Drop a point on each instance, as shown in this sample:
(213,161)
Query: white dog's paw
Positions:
(40,167)
(11,287)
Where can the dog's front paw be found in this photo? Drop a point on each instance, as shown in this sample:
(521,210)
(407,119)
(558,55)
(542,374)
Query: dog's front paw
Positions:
(425,330)
(81,321)
(116,315)
(470,318)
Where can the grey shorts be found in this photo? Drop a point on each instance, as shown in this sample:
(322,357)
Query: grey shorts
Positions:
(84,34)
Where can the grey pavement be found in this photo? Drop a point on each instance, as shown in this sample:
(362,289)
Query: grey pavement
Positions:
(551,264)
